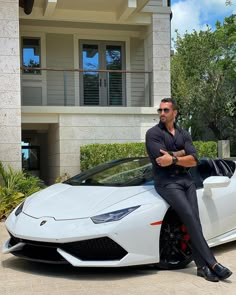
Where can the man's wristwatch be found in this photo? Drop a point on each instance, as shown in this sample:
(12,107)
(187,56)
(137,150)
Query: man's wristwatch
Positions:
(174,160)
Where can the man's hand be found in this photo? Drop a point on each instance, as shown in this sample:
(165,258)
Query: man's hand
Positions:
(165,160)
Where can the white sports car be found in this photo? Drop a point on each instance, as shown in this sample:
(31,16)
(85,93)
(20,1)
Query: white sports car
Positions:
(111,216)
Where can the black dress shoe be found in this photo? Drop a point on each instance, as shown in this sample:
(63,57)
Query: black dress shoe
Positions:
(221,271)
(207,274)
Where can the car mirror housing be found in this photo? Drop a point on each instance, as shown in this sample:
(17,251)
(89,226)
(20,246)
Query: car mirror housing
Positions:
(216,182)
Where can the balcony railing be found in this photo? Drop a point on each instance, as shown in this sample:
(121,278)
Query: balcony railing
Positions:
(76,87)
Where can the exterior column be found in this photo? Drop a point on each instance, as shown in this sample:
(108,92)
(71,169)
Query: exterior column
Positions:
(158,47)
(10,104)
(224,149)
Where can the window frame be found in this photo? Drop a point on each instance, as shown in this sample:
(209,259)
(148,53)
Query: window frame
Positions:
(32,80)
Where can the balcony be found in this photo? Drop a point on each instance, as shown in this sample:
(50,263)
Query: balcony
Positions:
(77,87)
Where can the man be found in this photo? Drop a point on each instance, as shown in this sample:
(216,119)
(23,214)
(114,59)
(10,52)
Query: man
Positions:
(171,152)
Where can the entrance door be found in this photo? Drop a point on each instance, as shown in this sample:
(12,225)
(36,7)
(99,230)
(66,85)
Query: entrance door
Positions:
(102,88)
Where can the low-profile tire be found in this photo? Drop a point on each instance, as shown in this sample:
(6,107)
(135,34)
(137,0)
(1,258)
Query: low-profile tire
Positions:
(175,248)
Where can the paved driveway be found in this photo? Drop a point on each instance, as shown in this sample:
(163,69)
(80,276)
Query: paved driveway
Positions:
(19,277)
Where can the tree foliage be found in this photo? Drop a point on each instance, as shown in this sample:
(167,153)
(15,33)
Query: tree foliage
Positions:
(203,80)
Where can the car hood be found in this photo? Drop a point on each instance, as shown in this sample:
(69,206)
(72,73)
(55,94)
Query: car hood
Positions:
(62,201)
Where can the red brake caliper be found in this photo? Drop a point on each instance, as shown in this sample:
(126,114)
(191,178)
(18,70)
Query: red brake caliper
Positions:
(186,238)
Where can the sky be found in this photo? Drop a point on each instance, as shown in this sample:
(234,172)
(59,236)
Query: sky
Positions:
(197,14)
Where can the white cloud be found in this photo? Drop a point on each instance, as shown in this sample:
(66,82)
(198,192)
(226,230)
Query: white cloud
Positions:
(189,15)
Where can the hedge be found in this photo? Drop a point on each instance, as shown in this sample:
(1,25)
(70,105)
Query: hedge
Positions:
(94,154)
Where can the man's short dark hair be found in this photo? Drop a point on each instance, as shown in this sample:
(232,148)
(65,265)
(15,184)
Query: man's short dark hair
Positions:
(171,100)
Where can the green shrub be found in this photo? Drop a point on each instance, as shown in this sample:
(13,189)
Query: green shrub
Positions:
(15,186)
(206,149)
(9,199)
(95,154)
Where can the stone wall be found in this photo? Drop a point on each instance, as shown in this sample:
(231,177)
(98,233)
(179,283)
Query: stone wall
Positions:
(157,46)
(10,110)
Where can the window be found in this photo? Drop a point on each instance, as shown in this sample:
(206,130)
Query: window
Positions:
(31,55)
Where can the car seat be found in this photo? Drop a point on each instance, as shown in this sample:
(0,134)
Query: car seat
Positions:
(224,168)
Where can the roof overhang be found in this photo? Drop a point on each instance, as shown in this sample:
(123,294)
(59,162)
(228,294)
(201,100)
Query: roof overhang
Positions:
(92,11)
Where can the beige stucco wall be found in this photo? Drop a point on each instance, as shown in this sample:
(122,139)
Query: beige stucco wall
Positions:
(10,113)
(139,97)
(157,52)
(60,54)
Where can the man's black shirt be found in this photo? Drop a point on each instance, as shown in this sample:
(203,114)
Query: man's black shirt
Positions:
(158,137)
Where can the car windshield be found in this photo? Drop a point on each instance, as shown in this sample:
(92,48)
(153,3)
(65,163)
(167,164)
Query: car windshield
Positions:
(125,172)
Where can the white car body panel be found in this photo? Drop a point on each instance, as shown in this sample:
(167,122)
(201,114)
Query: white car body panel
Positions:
(217,206)
(62,231)
(84,201)
(62,214)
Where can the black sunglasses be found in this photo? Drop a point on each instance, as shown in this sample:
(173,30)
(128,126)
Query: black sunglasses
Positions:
(166,111)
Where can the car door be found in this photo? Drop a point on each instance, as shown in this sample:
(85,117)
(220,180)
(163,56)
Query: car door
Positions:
(217,206)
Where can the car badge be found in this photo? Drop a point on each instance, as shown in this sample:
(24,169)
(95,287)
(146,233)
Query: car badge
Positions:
(43,222)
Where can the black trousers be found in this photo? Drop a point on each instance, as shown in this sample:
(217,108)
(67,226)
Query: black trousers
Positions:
(180,193)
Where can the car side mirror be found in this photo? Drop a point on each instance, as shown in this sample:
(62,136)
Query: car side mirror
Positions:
(214,182)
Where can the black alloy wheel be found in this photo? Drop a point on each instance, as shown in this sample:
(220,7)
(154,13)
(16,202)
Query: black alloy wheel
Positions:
(175,247)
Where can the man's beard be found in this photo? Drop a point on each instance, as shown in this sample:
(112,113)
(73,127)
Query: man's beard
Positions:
(163,119)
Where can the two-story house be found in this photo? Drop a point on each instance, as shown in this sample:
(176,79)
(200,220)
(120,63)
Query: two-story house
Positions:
(78,72)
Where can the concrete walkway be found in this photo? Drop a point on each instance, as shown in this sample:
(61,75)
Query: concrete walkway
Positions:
(19,277)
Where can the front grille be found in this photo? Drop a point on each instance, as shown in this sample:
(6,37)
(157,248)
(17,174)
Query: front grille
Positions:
(37,251)
(99,249)
(96,249)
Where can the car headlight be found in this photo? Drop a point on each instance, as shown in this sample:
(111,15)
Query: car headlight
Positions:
(19,209)
(113,216)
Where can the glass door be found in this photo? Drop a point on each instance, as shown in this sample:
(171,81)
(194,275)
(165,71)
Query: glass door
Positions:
(115,81)
(90,80)
(102,88)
